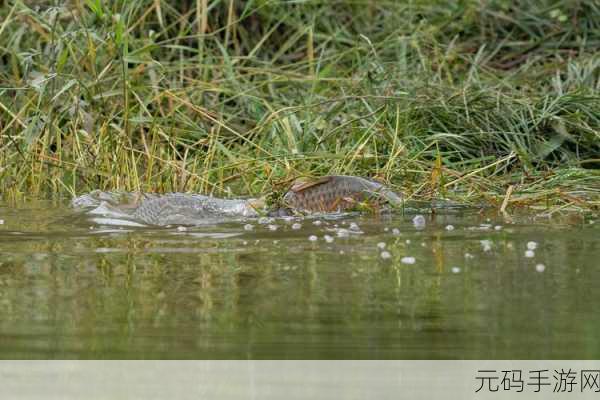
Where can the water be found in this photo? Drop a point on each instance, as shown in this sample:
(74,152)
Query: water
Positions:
(73,289)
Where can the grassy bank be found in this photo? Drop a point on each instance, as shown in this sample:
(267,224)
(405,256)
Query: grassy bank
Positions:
(479,100)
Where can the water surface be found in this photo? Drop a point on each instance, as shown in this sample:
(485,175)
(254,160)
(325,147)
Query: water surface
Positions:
(71,288)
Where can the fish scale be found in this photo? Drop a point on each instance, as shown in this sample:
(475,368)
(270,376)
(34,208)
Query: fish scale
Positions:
(332,193)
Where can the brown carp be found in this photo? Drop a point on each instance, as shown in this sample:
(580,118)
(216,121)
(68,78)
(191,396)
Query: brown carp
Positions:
(338,193)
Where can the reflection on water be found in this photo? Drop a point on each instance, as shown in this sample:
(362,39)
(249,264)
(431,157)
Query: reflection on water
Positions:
(462,286)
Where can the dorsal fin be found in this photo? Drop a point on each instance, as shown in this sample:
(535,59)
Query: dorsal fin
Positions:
(300,186)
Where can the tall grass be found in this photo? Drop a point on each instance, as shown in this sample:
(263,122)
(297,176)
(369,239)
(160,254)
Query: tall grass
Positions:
(232,97)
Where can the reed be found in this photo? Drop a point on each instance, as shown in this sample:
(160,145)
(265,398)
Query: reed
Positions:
(229,97)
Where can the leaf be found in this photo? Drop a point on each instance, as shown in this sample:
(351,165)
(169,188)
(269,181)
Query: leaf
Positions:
(33,130)
(62,59)
(67,86)
(436,172)
(96,7)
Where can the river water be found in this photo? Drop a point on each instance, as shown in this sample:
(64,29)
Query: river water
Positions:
(470,285)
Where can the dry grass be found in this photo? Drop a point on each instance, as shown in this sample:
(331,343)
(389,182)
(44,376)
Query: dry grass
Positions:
(238,97)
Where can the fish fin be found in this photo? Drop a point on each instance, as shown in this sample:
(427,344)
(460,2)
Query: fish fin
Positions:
(300,186)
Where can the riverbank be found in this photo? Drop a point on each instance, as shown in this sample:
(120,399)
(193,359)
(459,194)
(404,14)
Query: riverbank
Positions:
(496,103)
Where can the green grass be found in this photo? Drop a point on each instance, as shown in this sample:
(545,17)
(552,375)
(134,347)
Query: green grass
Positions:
(232,97)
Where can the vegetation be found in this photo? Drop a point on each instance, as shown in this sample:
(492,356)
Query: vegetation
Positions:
(494,101)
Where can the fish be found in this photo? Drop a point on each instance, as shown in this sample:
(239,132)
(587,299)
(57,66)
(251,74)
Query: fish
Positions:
(193,209)
(166,209)
(336,193)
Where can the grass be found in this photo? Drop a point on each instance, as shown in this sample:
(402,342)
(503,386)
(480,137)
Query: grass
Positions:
(494,101)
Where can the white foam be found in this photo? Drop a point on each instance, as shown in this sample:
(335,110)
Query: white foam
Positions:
(540,268)
(342,232)
(419,221)
(265,220)
(486,244)
(529,254)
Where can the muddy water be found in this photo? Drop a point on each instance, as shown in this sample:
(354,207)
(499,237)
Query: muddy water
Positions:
(469,285)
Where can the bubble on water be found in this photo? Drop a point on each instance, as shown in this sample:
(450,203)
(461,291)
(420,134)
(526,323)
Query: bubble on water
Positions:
(408,260)
(396,231)
(354,226)
(381,245)
(540,267)
(385,255)
(386,229)
(532,245)
(296,226)
(423,244)
(181,229)
(1,222)
(248,227)
(245,243)
(469,256)
(455,270)
(342,252)
(419,221)
(486,244)
(328,239)
(313,238)
(272,227)
(529,254)
(498,227)
(407,241)
(342,232)
(317,223)
(449,227)
(275,241)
